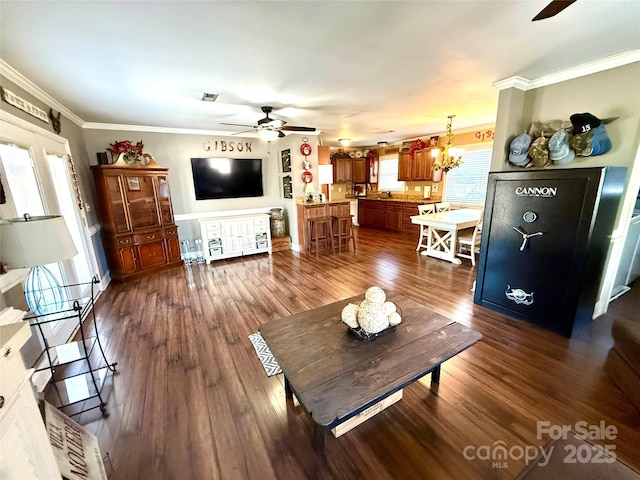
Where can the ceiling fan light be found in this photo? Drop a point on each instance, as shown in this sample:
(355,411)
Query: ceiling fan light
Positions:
(268,135)
(344,142)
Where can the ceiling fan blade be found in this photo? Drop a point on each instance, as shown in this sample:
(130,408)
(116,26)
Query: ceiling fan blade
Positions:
(292,128)
(237,124)
(555,7)
(245,131)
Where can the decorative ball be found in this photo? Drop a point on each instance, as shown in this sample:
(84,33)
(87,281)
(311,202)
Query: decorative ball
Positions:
(375,295)
(395,318)
(372,318)
(349,315)
(389,307)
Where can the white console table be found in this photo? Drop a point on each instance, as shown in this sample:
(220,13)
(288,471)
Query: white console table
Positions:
(234,236)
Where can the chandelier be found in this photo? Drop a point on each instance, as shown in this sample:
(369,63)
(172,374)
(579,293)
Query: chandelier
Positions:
(451,156)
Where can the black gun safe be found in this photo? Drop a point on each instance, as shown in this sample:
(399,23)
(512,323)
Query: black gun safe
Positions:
(545,240)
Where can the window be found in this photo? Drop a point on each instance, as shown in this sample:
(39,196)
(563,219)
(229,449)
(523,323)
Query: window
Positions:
(468,182)
(388,174)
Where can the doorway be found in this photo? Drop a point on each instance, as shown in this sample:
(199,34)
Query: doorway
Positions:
(36,171)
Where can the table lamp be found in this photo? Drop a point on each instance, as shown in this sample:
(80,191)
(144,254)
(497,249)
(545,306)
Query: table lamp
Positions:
(36,242)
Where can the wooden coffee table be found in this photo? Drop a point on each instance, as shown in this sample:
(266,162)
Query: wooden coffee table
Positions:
(336,376)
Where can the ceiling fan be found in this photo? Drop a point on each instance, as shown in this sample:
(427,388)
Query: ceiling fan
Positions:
(269,128)
(555,7)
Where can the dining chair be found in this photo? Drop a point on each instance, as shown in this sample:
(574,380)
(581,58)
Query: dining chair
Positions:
(443,207)
(468,242)
(423,241)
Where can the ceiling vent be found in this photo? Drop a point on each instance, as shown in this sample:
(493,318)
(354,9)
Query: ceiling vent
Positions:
(209,97)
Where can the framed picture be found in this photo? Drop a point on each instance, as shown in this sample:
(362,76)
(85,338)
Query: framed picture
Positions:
(287,189)
(133,183)
(433,141)
(286,160)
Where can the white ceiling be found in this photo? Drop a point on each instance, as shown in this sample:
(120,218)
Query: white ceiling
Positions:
(370,71)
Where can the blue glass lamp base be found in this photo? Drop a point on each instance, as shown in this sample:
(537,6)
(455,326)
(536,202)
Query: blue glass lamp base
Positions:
(43,292)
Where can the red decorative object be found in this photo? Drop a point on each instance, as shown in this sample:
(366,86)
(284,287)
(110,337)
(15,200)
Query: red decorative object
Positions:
(305,149)
(126,147)
(416,145)
(373,156)
(307,177)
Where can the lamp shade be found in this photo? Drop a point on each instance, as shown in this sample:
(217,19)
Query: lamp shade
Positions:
(325,174)
(268,134)
(34,241)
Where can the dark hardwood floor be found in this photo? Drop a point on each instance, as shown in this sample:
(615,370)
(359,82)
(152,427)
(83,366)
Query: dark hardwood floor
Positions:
(192,401)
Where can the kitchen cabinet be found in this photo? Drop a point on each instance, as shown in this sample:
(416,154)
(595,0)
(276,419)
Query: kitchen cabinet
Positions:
(371,213)
(138,230)
(418,169)
(404,167)
(342,169)
(545,240)
(388,215)
(422,167)
(393,216)
(360,170)
(410,209)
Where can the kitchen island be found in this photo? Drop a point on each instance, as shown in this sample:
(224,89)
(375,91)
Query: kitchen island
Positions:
(316,209)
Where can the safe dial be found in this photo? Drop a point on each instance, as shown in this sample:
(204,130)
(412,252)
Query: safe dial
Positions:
(526,236)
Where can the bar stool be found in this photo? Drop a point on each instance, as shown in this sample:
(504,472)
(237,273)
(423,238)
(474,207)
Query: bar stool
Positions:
(343,228)
(320,233)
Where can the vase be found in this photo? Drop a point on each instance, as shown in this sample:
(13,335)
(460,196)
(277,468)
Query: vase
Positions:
(437,175)
(127,158)
(278,225)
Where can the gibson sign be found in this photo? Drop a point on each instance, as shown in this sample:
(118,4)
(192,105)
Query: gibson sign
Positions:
(224,146)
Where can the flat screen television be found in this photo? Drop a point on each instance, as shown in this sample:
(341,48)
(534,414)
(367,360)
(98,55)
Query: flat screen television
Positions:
(215,178)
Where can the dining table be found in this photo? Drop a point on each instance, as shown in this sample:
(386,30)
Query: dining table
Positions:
(443,228)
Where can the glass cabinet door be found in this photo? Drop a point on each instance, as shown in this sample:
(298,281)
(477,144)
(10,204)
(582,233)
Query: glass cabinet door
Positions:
(118,207)
(164,199)
(141,198)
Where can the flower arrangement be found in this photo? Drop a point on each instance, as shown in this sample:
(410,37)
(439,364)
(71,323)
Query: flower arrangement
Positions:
(416,145)
(451,157)
(131,151)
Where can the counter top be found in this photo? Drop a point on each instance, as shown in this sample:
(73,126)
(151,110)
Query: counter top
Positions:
(320,202)
(402,200)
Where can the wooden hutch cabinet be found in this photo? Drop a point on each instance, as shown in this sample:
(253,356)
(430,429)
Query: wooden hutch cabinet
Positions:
(135,211)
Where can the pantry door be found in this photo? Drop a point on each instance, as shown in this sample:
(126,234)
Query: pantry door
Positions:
(36,173)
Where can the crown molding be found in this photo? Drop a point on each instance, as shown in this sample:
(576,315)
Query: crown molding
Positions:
(520,83)
(578,71)
(182,131)
(23,82)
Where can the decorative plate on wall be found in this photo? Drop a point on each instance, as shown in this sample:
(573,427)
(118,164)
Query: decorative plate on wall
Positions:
(305,149)
(307,177)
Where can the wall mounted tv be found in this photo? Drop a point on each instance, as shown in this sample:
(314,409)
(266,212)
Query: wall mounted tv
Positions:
(215,178)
